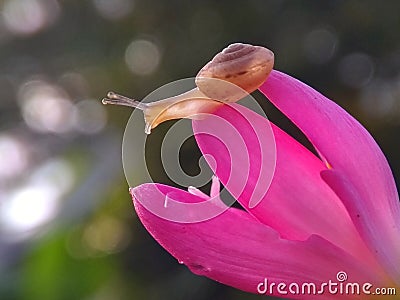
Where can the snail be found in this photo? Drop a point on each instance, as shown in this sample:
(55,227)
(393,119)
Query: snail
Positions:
(231,75)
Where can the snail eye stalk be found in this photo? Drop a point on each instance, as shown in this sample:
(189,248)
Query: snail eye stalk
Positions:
(116,99)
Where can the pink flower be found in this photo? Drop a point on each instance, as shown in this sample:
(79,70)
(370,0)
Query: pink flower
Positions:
(338,212)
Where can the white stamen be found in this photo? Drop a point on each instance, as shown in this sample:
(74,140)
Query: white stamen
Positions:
(166,201)
(195,191)
(215,187)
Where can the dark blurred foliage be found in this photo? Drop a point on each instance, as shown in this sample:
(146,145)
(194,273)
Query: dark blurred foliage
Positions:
(68,229)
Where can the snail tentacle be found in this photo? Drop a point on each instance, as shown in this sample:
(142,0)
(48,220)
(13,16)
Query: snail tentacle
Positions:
(116,99)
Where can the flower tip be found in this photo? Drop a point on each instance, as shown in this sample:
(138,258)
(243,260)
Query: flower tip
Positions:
(132,192)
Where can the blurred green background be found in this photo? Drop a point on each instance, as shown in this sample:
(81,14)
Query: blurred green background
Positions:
(67,226)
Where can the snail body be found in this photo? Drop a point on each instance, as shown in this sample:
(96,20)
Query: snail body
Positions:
(231,75)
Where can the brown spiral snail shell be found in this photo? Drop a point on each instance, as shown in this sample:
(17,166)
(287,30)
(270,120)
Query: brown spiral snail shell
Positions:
(231,75)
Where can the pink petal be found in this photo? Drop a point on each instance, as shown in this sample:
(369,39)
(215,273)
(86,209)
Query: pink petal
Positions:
(177,207)
(298,203)
(359,164)
(239,251)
